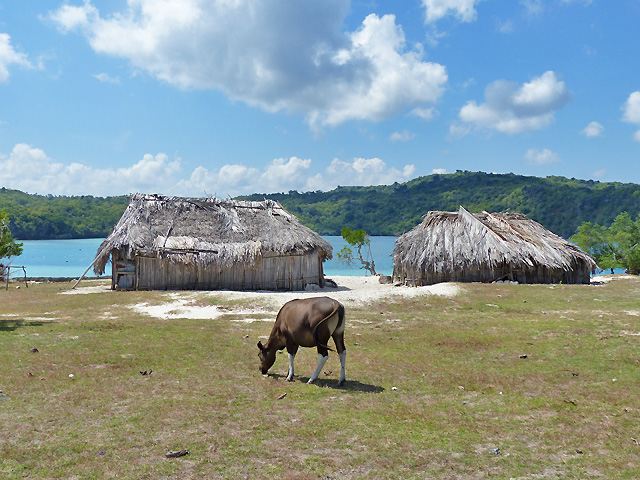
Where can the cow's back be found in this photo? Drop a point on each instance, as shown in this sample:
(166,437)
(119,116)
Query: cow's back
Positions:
(298,318)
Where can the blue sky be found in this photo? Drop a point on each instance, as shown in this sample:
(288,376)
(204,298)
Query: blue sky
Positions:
(228,97)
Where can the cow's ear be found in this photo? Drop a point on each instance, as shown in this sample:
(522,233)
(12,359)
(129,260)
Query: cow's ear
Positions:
(260,346)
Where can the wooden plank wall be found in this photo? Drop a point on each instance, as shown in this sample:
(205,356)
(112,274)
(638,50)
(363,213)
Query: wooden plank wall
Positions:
(292,272)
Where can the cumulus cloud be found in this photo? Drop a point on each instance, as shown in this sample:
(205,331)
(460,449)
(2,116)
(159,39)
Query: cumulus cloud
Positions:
(439,171)
(510,108)
(541,157)
(29,169)
(594,129)
(463,10)
(631,112)
(8,56)
(278,55)
(362,171)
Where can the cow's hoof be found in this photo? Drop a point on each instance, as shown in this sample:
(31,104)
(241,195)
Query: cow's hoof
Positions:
(289,379)
(341,383)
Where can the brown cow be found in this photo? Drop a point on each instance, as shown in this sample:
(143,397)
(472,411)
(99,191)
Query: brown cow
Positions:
(308,322)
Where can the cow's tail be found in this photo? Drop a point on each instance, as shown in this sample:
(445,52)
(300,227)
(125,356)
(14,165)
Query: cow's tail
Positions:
(340,310)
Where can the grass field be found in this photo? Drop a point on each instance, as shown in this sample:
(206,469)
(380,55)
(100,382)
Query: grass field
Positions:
(501,381)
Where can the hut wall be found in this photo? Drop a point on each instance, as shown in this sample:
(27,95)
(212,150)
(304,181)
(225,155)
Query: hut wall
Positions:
(276,272)
(409,275)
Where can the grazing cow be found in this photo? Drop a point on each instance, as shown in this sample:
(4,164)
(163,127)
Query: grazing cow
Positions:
(308,322)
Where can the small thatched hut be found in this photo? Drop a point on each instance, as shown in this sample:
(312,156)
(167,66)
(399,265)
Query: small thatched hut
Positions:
(486,247)
(206,244)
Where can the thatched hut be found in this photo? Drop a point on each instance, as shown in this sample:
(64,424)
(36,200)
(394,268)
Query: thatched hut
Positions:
(486,247)
(206,244)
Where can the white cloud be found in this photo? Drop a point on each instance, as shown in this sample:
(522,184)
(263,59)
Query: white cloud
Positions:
(106,78)
(510,108)
(364,171)
(631,112)
(273,55)
(533,8)
(505,26)
(457,131)
(29,169)
(541,157)
(594,129)
(440,171)
(8,56)
(464,10)
(425,114)
(632,108)
(584,2)
(403,136)
(599,173)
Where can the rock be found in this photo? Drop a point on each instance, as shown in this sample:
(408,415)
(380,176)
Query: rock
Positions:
(385,279)
(311,287)
(330,283)
(179,453)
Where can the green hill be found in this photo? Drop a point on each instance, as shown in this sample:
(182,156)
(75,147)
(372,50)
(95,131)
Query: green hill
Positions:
(42,217)
(558,203)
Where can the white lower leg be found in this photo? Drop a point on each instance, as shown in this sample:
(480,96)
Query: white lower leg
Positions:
(290,375)
(321,361)
(343,362)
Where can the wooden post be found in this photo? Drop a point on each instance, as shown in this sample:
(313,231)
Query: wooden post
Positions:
(85,272)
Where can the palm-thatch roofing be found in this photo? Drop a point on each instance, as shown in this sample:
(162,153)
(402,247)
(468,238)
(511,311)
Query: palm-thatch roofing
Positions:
(207,231)
(464,246)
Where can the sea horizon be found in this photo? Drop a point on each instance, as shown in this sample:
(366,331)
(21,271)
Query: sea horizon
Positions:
(69,258)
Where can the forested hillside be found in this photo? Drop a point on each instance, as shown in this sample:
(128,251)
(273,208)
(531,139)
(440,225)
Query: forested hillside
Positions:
(558,203)
(38,217)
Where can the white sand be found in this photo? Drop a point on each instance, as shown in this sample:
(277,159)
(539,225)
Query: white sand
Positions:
(351,291)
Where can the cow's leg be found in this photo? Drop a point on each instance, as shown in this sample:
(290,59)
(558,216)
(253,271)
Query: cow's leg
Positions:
(291,350)
(338,338)
(322,359)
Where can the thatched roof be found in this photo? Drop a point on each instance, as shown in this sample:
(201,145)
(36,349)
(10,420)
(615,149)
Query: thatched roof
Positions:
(207,231)
(457,240)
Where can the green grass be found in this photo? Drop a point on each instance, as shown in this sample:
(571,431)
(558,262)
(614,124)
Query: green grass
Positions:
(463,387)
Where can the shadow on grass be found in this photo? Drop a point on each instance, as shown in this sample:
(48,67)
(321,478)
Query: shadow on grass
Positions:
(12,325)
(349,385)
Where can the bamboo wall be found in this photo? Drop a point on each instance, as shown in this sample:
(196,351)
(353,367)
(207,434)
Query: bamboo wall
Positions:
(290,272)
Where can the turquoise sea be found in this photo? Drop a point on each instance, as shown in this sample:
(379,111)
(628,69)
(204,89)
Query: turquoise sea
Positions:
(70,258)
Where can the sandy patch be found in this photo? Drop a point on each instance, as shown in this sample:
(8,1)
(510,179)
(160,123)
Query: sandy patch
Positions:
(85,290)
(351,291)
(610,278)
(184,308)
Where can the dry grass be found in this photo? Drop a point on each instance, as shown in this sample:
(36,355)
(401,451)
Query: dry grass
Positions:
(463,388)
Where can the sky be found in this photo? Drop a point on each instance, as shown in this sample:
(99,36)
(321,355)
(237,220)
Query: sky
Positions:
(229,97)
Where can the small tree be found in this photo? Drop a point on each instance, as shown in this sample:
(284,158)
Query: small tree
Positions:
(360,240)
(613,247)
(8,246)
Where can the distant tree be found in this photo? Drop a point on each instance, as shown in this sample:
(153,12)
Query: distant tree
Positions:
(617,246)
(359,240)
(8,246)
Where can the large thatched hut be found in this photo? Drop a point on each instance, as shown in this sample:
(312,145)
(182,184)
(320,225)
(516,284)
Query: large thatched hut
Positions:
(206,244)
(486,247)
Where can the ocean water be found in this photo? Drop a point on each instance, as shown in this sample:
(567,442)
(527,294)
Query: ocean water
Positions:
(70,258)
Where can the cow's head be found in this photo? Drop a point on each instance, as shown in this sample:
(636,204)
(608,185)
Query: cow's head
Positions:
(267,358)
